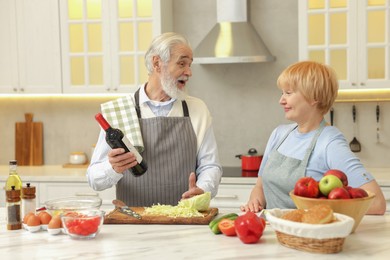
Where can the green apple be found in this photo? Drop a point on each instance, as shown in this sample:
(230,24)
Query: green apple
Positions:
(328,183)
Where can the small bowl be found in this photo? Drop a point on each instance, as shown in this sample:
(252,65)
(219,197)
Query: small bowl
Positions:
(355,208)
(77,158)
(76,203)
(82,224)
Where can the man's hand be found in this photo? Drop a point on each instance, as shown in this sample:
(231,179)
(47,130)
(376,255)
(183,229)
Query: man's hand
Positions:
(121,161)
(193,190)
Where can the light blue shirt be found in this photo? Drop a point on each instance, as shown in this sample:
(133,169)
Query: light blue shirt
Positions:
(330,152)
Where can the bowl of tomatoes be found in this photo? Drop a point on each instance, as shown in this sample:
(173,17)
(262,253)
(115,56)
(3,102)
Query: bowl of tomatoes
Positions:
(82,224)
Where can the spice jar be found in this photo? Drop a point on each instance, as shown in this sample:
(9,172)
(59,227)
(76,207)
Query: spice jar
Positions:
(13,209)
(28,200)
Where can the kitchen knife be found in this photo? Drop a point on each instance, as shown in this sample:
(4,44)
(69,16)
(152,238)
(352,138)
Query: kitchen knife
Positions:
(125,209)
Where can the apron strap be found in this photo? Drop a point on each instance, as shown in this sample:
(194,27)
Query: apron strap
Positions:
(185,108)
(137,108)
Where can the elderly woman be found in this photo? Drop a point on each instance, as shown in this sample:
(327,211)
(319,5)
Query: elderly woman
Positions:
(310,146)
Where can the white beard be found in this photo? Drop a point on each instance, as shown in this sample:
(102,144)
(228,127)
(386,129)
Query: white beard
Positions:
(169,86)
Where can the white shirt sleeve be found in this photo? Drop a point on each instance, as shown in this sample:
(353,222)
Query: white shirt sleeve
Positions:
(100,173)
(209,170)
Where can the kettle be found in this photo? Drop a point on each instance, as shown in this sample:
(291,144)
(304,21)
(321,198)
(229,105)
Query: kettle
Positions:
(250,161)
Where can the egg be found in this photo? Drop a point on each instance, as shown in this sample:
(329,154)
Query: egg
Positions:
(25,218)
(44,217)
(55,222)
(33,221)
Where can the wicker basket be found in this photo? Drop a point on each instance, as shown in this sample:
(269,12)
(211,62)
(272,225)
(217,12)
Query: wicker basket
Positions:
(314,238)
(324,246)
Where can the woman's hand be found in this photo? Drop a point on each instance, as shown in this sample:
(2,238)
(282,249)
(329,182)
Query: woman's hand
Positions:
(193,190)
(121,161)
(256,200)
(253,205)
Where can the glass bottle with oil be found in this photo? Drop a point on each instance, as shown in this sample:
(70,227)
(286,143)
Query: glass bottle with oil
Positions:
(13,178)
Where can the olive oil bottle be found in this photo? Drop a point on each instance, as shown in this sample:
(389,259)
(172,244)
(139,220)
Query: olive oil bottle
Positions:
(13,178)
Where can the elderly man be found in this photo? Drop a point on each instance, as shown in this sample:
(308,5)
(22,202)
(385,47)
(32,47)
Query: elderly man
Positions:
(178,141)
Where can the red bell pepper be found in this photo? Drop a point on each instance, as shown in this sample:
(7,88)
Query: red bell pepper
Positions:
(249,227)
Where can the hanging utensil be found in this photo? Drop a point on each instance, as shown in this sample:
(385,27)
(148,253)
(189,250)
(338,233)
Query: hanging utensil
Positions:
(331,116)
(354,144)
(377,123)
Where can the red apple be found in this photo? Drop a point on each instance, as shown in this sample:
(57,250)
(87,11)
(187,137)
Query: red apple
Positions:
(339,193)
(357,193)
(306,187)
(339,174)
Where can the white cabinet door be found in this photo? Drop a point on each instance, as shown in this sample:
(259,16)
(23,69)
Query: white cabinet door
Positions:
(351,36)
(103,43)
(55,190)
(386,192)
(231,196)
(30,47)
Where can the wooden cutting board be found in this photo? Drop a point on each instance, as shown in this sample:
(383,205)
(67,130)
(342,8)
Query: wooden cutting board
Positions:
(116,217)
(29,141)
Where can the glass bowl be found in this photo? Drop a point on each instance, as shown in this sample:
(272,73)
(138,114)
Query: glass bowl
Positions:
(83,224)
(76,203)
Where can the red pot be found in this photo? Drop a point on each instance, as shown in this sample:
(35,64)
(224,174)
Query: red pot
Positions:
(250,161)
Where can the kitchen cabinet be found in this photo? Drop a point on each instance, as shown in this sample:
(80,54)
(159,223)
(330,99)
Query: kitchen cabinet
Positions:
(30,47)
(52,190)
(231,196)
(386,193)
(351,36)
(46,190)
(103,42)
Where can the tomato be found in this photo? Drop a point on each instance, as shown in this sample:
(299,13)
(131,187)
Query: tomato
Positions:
(249,227)
(84,226)
(227,227)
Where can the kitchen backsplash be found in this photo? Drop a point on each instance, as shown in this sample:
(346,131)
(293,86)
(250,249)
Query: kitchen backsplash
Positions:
(243,98)
(239,124)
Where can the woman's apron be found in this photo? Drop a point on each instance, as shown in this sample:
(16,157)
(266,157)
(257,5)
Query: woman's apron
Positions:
(170,153)
(282,172)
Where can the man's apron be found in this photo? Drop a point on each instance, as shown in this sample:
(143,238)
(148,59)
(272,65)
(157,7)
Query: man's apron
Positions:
(170,153)
(282,172)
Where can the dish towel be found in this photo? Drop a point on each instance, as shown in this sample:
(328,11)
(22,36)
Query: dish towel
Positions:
(121,114)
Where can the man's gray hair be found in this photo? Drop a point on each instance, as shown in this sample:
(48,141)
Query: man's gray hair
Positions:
(162,46)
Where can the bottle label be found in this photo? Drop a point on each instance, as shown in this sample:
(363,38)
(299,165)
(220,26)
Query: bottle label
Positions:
(132,149)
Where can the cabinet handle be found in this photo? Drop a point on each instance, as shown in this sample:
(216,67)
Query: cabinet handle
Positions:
(15,89)
(107,89)
(353,84)
(226,197)
(95,194)
(22,89)
(362,84)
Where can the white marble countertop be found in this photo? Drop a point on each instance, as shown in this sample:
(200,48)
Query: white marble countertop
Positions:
(56,173)
(371,240)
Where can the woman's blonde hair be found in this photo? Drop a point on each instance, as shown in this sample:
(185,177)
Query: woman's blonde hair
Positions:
(316,82)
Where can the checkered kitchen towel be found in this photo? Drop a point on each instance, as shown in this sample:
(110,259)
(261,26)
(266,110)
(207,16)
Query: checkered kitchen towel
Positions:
(121,114)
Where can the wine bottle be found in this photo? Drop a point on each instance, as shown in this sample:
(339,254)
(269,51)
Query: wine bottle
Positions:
(116,139)
(13,178)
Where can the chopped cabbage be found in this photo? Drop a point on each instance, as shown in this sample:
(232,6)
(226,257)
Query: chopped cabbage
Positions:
(186,208)
(172,211)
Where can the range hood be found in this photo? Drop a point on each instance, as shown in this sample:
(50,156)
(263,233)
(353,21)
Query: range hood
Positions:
(233,39)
